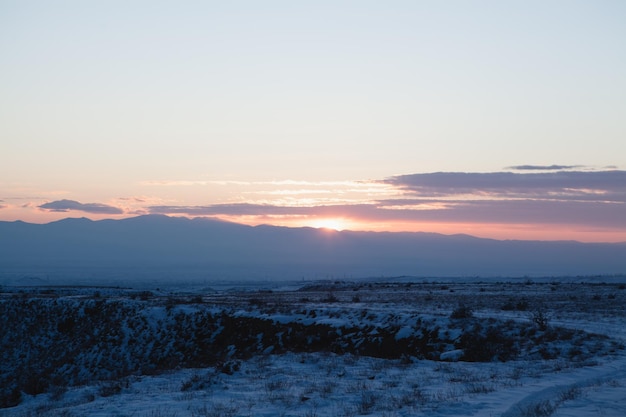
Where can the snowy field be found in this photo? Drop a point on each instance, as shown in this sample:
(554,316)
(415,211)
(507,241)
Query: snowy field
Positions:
(559,351)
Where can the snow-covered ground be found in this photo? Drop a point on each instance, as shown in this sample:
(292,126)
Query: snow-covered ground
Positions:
(317,384)
(311,384)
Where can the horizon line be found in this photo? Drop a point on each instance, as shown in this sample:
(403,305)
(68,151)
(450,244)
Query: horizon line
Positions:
(321,228)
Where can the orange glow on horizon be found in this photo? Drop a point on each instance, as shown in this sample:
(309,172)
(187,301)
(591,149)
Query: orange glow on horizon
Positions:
(480,230)
(546,232)
(334,224)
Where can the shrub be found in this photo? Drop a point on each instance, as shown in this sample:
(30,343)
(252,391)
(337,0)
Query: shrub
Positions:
(366,402)
(570,394)
(230,367)
(330,298)
(10,396)
(110,389)
(540,318)
(275,385)
(508,306)
(540,409)
(197,383)
(57,392)
(491,345)
(217,410)
(521,305)
(257,302)
(462,312)
(191,383)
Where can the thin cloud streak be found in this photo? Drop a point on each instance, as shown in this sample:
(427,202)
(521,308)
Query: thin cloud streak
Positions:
(246,209)
(174,183)
(544,167)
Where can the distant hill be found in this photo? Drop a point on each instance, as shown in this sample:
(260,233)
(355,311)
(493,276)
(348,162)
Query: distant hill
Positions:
(158,248)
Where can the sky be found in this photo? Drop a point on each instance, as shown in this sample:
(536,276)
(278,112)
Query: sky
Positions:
(491,118)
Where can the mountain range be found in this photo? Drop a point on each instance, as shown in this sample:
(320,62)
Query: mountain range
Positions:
(160,248)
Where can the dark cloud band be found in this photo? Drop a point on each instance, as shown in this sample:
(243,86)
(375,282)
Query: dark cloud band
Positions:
(546,185)
(71,205)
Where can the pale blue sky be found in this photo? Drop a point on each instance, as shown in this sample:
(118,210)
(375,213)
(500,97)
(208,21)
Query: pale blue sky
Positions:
(100,98)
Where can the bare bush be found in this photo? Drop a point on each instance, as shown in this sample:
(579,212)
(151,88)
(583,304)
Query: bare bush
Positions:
(110,389)
(366,403)
(216,410)
(540,318)
(462,312)
(541,409)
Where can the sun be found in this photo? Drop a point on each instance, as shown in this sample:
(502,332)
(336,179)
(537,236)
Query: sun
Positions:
(333,224)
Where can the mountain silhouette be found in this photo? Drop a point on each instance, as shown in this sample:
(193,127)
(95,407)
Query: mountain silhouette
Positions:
(165,248)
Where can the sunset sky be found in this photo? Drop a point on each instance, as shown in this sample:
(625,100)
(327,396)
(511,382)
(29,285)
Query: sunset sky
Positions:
(503,119)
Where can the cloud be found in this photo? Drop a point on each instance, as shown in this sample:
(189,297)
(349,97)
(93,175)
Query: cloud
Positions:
(174,183)
(71,205)
(567,185)
(581,213)
(184,183)
(544,212)
(210,210)
(577,199)
(132,199)
(543,167)
(261,210)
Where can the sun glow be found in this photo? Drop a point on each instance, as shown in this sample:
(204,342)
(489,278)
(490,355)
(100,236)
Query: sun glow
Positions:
(334,224)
